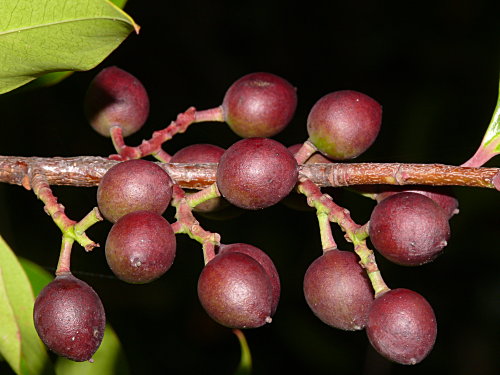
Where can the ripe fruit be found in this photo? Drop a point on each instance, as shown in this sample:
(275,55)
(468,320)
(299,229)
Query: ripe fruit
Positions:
(133,185)
(69,318)
(259,105)
(338,290)
(256,173)
(402,326)
(198,153)
(409,229)
(264,260)
(343,124)
(443,196)
(235,291)
(140,247)
(116,98)
(202,153)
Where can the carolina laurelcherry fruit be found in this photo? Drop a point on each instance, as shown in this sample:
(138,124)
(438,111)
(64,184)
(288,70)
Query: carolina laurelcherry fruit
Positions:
(235,291)
(133,185)
(259,105)
(442,195)
(69,318)
(116,98)
(140,247)
(402,326)
(343,124)
(264,260)
(256,173)
(338,291)
(409,229)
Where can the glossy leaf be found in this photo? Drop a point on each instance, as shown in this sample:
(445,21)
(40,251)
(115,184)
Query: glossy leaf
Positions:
(43,36)
(19,342)
(51,79)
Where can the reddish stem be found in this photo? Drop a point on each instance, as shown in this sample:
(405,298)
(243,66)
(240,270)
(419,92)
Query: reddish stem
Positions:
(153,145)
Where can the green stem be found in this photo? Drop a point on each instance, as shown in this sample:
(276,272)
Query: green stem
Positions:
(204,195)
(355,233)
(186,223)
(245,365)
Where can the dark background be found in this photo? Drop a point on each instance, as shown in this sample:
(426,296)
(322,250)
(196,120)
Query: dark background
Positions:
(435,70)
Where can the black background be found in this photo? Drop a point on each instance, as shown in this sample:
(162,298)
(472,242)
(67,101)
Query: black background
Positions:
(434,68)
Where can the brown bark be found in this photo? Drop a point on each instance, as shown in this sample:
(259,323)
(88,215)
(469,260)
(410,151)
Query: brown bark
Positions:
(88,170)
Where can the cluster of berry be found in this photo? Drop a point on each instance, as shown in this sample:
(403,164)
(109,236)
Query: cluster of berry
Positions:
(239,286)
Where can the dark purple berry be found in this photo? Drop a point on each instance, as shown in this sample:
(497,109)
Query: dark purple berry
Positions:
(69,318)
(409,229)
(338,290)
(235,291)
(259,105)
(402,326)
(140,247)
(198,153)
(264,260)
(344,124)
(133,185)
(116,98)
(442,195)
(256,173)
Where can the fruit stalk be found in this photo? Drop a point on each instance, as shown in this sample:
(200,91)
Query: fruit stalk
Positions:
(70,228)
(342,217)
(153,145)
(187,223)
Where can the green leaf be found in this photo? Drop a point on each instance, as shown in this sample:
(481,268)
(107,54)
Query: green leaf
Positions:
(37,276)
(51,79)
(490,145)
(119,3)
(43,36)
(19,342)
(492,134)
(108,360)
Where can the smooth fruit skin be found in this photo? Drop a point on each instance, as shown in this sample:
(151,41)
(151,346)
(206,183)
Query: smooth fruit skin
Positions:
(116,98)
(264,260)
(198,153)
(69,318)
(344,124)
(442,195)
(256,173)
(235,291)
(409,229)
(259,105)
(338,291)
(140,247)
(133,185)
(402,326)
